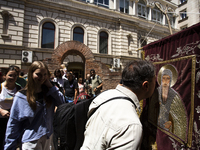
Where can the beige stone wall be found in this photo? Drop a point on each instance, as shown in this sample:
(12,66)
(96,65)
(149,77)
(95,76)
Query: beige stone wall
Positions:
(27,18)
(193,13)
(16,19)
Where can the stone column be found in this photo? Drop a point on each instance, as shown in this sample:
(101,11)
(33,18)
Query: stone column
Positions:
(149,16)
(135,7)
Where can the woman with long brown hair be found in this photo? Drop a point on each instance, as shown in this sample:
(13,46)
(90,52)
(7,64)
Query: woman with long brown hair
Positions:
(31,118)
(7,91)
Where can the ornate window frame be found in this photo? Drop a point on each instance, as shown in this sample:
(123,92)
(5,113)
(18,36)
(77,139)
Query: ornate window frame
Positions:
(109,41)
(125,6)
(84,36)
(144,9)
(40,32)
(157,12)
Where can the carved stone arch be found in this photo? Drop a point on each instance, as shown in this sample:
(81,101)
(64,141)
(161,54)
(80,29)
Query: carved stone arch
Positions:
(72,47)
(172,11)
(110,79)
(158,5)
(146,2)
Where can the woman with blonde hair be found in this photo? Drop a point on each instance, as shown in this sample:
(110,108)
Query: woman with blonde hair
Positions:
(31,118)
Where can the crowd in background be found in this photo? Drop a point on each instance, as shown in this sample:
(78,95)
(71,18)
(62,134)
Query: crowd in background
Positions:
(24,96)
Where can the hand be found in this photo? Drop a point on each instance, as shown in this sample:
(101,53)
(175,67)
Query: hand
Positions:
(168,124)
(95,89)
(4,113)
(48,83)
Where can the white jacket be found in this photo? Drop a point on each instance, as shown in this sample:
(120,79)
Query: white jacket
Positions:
(114,125)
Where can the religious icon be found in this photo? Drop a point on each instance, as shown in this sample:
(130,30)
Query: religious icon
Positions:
(167,110)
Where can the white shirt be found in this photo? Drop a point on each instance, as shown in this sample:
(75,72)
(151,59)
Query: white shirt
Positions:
(6,97)
(60,81)
(114,125)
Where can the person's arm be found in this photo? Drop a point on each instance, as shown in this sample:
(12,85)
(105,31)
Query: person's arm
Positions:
(14,127)
(127,138)
(55,93)
(13,132)
(99,86)
(4,113)
(75,94)
(100,83)
(75,89)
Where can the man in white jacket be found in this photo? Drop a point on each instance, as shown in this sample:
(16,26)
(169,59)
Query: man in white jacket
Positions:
(116,125)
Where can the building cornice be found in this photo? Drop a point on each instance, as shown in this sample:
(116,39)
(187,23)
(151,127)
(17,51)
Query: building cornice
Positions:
(20,48)
(97,12)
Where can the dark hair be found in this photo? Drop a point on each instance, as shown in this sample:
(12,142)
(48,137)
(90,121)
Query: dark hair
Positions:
(57,71)
(69,73)
(92,70)
(17,67)
(11,68)
(136,72)
(21,73)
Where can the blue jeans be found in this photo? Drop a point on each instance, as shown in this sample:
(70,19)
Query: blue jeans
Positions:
(69,99)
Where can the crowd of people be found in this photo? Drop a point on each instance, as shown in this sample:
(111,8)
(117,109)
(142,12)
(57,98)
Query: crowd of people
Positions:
(27,106)
(27,102)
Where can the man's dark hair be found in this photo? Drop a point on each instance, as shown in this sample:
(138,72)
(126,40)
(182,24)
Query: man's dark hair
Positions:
(22,73)
(57,71)
(136,72)
(92,70)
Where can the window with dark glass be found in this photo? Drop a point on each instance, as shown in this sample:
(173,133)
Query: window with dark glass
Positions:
(183,14)
(103,43)
(48,35)
(124,4)
(156,15)
(171,20)
(182,1)
(104,3)
(184,27)
(78,34)
(142,9)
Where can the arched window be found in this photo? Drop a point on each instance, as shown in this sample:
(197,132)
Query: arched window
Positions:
(48,35)
(78,34)
(103,42)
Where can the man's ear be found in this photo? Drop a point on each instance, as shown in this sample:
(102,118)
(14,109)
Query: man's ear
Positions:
(145,85)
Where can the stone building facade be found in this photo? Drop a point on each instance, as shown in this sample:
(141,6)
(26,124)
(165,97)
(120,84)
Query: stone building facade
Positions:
(188,13)
(128,25)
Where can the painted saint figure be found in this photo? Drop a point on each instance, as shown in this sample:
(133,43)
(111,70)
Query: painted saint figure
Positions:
(168,111)
(166,96)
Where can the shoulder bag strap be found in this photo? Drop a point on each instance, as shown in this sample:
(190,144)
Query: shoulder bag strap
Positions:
(126,98)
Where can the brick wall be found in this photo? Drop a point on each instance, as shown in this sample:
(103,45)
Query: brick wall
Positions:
(110,79)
